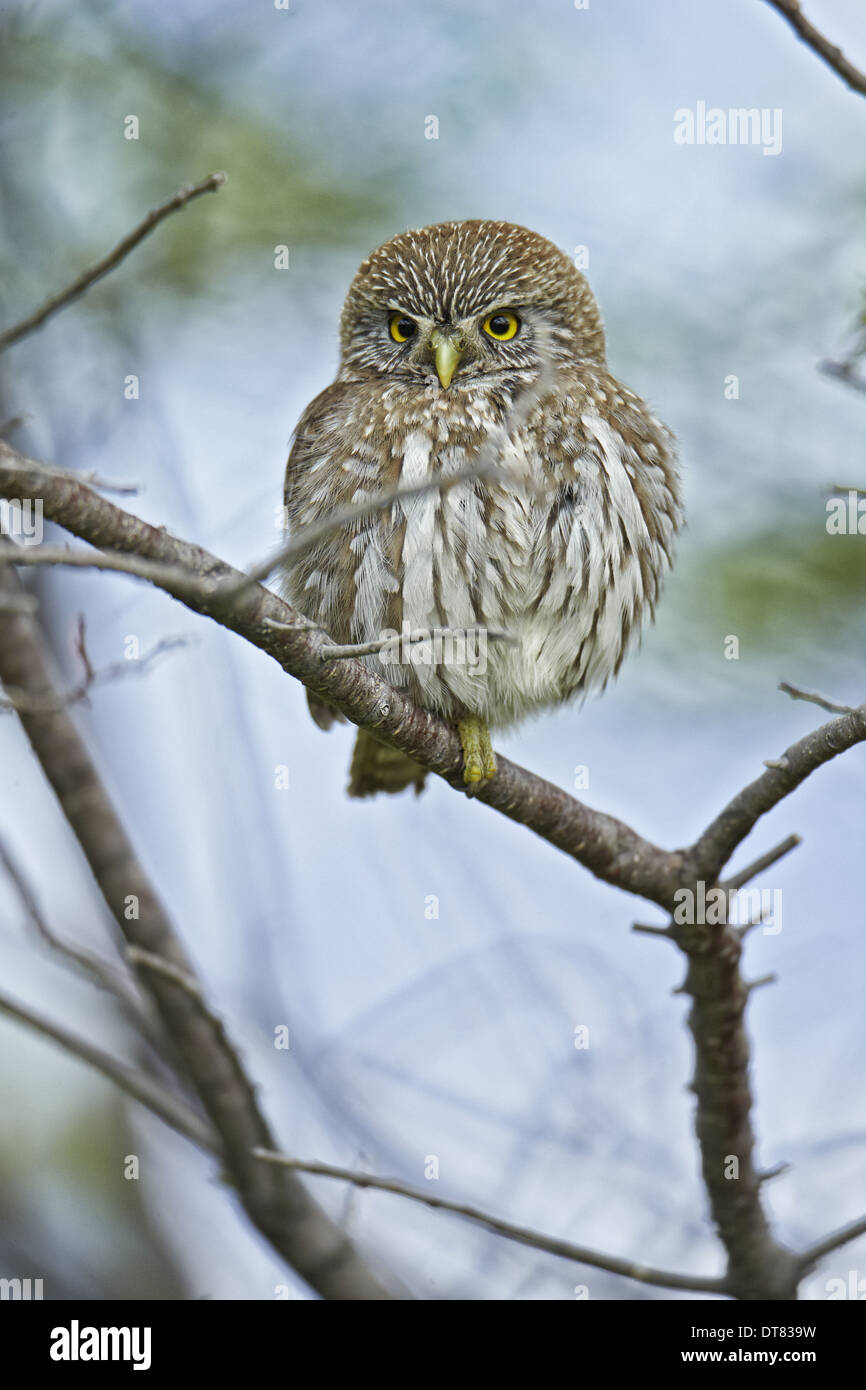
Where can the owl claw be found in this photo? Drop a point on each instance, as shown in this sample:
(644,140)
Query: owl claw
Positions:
(479,760)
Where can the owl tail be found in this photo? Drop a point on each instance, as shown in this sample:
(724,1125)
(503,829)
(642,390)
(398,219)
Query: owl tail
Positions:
(377,768)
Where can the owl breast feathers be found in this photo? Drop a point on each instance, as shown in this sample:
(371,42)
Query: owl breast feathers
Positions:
(478,344)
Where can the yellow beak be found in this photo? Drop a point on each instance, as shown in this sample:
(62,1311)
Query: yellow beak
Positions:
(446,354)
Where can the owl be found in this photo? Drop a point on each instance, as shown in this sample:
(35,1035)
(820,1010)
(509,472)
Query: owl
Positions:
(494,596)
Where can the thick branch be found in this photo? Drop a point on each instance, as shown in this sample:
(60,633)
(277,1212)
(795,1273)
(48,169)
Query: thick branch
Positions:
(606,846)
(282,1210)
(758,1266)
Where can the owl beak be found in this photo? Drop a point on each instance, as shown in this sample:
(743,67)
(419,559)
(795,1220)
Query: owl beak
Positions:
(446,354)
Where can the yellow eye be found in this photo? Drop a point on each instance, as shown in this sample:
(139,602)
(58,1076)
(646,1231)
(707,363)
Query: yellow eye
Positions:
(401,327)
(501,326)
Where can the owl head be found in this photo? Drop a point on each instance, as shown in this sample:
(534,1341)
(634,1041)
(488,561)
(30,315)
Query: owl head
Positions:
(464,301)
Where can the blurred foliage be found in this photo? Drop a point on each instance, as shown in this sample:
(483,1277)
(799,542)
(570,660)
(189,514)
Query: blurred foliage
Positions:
(80,86)
(782,589)
(108,1246)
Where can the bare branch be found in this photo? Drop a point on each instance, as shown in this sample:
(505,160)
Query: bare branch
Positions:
(608,848)
(810,1257)
(282,1210)
(524,1235)
(769,979)
(21,701)
(486,467)
(89,277)
(716,845)
(797,694)
(135,1083)
(843,371)
(165,576)
(93,479)
(490,634)
(104,972)
(831,55)
(758,1266)
(760,864)
(342,517)
(775,1172)
(648,929)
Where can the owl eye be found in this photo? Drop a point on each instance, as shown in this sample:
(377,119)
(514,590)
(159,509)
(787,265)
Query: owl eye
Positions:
(501,326)
(401,327)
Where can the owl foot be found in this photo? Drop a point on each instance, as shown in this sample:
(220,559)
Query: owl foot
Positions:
(479,761)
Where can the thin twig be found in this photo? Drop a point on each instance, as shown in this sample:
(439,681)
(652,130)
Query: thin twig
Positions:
(843,371)
(169,971)
(832,708)
(23,702)
(776,1171)
(135,1083)
(813,1253)
(771,978)
(107,485)
(89,277)
(648,929)
(760,864)
(352,650)
(485,468)
(76,558)
(524,1235)
(107,975)
(831,55)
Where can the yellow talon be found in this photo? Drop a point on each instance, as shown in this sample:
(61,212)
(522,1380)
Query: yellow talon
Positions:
(479,762)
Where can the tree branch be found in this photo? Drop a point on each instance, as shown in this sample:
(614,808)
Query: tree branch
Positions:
(89,277)
(608,848)
(19,699)
(764,861)
(811,1256)
(813,699)
(104,972)
(843,371)
(208,586)
(523,1235)
(758,1266)
(716,845)
(283,1210)
(834,57)
(158,1098)
(175,1113)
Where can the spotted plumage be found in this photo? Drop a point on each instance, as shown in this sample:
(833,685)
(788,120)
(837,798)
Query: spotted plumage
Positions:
(466,342)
